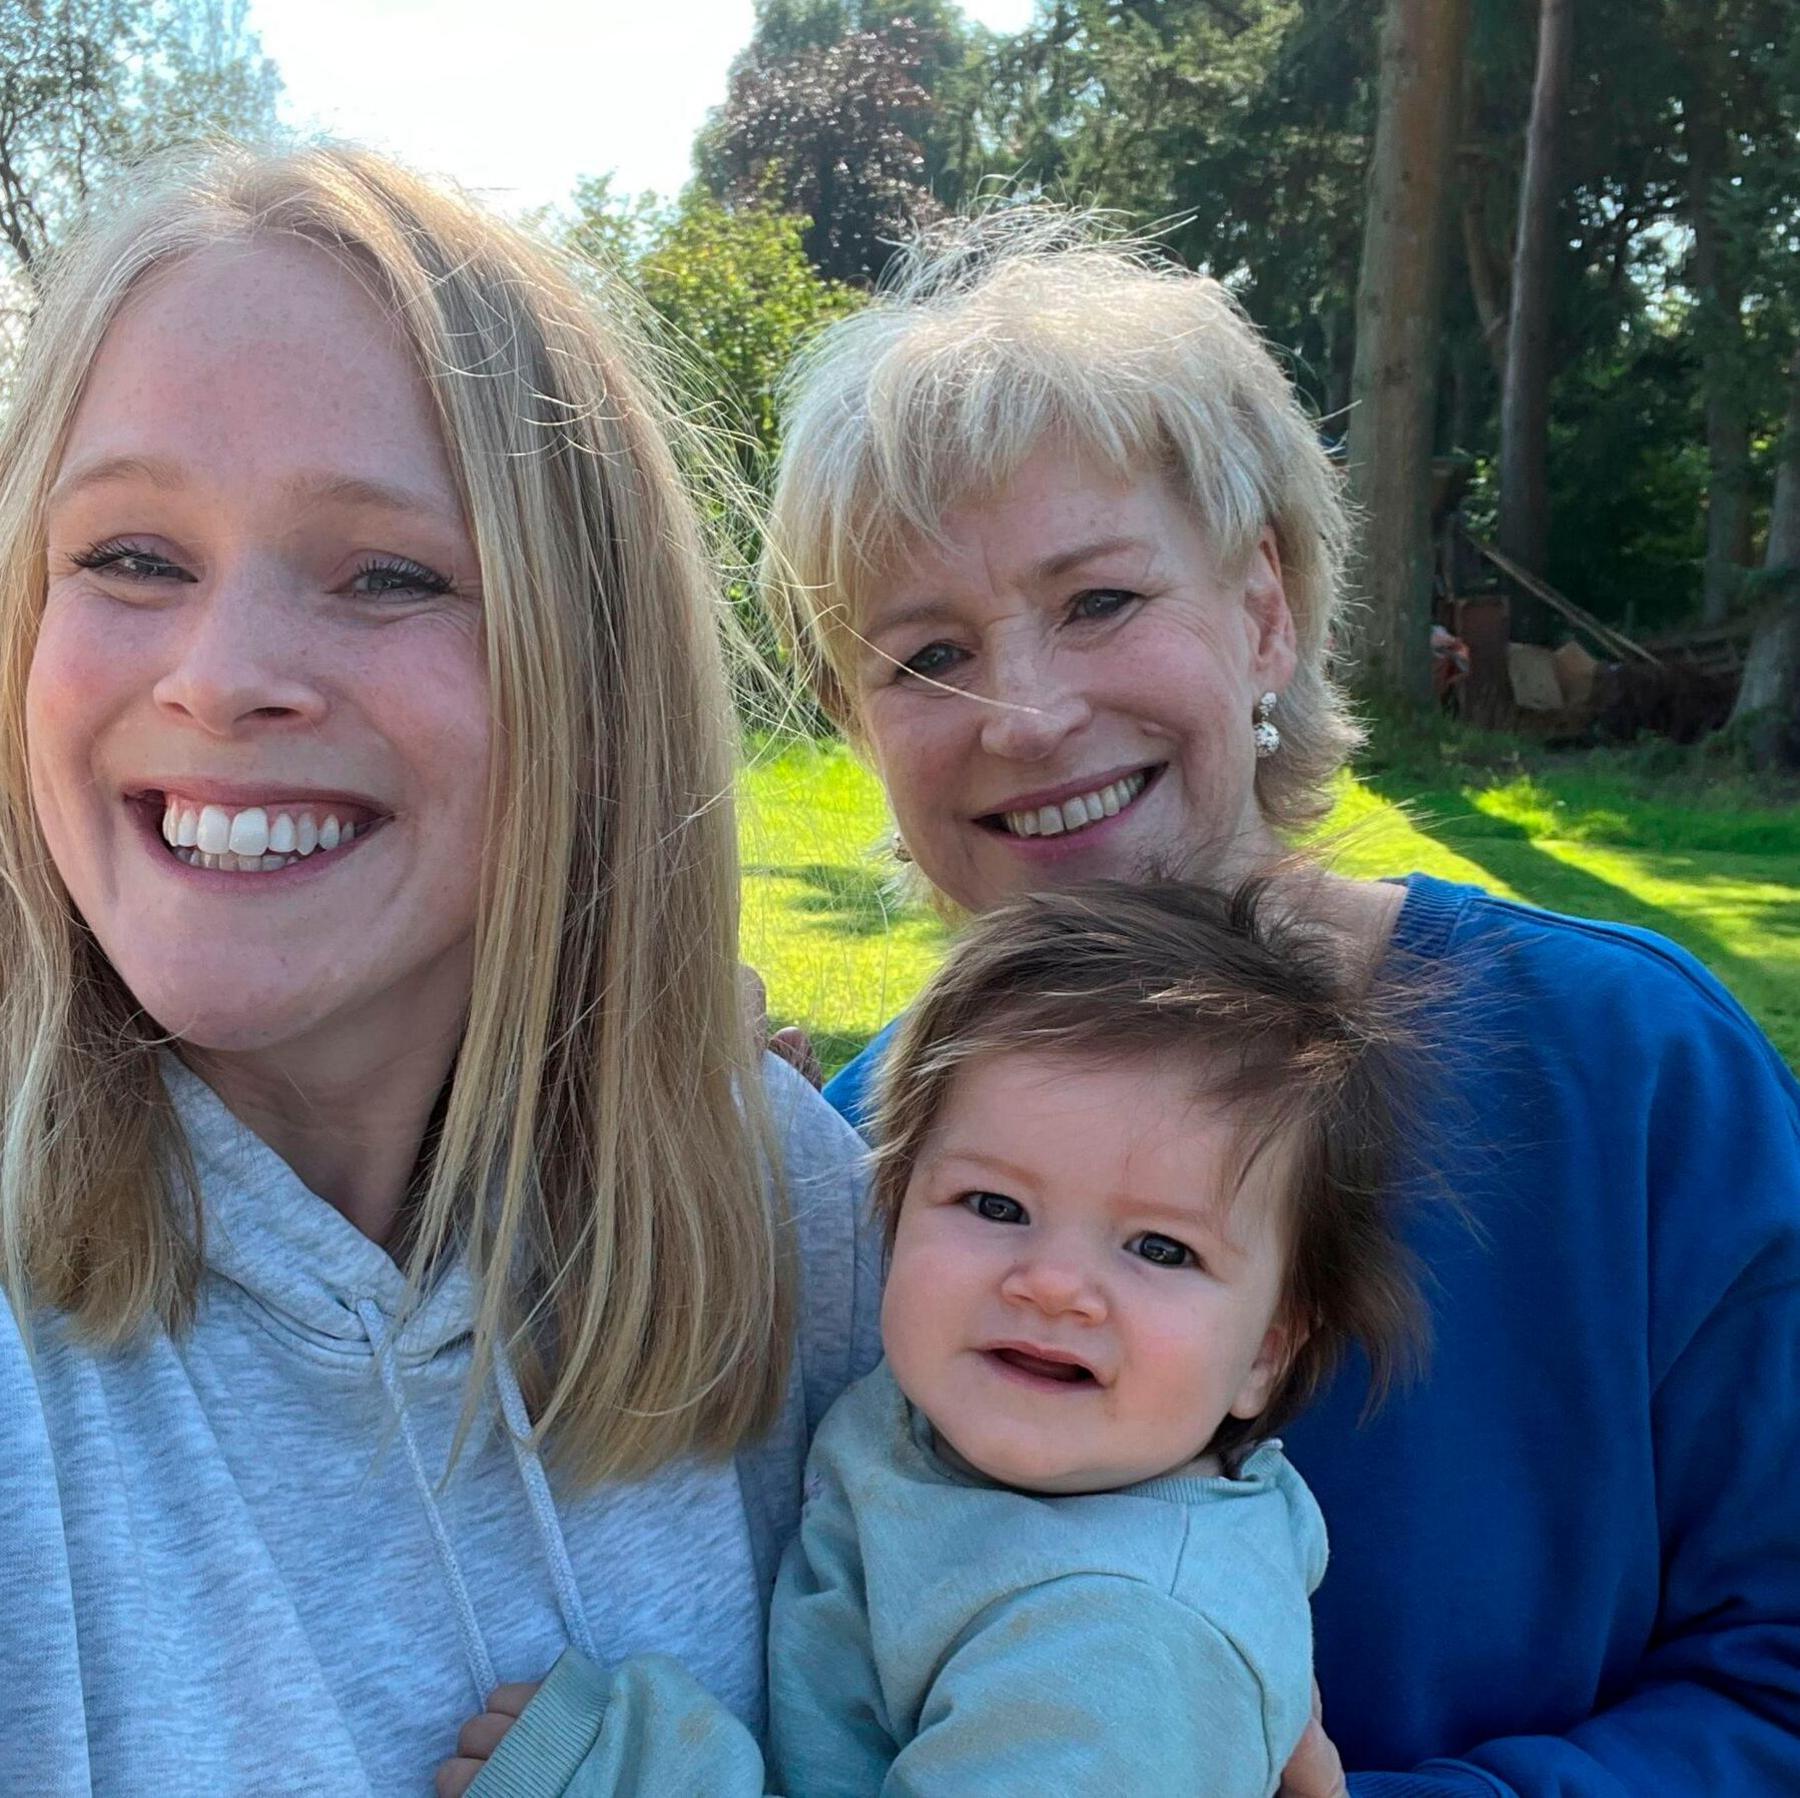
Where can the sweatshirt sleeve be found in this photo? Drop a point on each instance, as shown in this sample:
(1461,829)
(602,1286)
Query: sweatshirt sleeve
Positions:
(1714,1703)
(1092,1683)
(645,1730)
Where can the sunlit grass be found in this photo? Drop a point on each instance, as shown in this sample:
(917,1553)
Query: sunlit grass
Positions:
(842,950)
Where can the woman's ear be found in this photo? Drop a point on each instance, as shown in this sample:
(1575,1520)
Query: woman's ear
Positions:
(1274,649)
(1281,1342)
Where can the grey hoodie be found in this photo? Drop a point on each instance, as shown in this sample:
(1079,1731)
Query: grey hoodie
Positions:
(230,1561)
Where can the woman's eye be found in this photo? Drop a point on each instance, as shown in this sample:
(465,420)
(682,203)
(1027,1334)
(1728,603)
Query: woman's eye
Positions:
(996,1207)
(129,563)
(932,662)
(1161,1251)
(397,575)
(1100,602)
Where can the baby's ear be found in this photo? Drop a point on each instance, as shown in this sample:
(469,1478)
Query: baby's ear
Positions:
(1281,1342)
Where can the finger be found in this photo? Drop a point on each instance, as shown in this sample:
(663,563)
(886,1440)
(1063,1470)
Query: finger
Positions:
(455,1777)
(480,1736)
(1314,1771)
(510,1701)
(794,1047)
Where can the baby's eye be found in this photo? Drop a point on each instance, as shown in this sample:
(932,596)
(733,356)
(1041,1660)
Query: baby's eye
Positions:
(1161,1251)
(933,661)
(1101,602)
(996,1207)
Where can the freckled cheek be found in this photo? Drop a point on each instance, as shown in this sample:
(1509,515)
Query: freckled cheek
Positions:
(79,678)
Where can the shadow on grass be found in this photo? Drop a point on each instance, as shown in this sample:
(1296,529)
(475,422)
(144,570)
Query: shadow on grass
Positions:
(848,901)
(1507,852)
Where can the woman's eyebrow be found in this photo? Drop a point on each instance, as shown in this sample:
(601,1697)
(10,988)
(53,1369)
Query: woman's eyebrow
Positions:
(1065,559)
(351,490)
(97,472)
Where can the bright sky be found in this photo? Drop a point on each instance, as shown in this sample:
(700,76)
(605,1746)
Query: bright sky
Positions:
(518,98)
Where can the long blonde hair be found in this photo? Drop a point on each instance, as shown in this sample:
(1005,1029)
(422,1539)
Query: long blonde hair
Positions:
(605,1104)
(996,334)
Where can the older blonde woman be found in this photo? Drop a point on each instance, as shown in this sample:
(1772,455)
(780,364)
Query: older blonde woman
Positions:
(1064,558)
(377,1109)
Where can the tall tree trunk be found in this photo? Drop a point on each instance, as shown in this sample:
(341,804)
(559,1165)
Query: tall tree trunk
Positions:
(1768,701)
(1721,342)
(1487,280)
(1525,395)
(1399,301)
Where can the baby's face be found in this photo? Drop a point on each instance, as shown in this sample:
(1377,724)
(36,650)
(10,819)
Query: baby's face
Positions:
(1071,1301)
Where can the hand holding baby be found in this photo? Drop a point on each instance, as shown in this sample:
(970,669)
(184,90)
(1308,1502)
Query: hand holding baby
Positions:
(480,1736)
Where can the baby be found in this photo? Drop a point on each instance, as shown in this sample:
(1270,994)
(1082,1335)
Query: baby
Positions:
(1133,1144)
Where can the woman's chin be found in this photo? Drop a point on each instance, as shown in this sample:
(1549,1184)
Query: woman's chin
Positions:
(235,1022)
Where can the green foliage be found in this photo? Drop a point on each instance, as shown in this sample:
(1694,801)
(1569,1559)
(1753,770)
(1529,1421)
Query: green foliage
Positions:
(824,118)
(731,297)
(737,289)
(89,86)
(733,291)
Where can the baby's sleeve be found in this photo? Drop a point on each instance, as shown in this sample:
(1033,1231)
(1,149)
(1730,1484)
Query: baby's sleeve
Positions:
(1091,1683)
(645,1730)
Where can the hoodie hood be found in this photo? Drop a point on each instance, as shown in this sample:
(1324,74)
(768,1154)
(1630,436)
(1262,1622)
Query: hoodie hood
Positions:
(293,1254)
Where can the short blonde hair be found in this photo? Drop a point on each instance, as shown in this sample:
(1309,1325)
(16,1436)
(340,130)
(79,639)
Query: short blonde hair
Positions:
(995,335)
(603,1153)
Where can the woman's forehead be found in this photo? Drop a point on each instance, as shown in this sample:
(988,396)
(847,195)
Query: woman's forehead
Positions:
(261,359)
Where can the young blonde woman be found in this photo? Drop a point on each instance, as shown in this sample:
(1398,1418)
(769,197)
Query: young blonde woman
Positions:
(1066,558)
(402,1286)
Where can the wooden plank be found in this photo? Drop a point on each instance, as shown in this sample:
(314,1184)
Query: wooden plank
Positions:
(1609,639)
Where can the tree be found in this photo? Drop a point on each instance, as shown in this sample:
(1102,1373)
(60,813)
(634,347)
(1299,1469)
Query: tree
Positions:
(1243,129)
(732,289)
(1398,306)
(740,297)
(1525,389)
(88,86)
(830,131)
(1767,712)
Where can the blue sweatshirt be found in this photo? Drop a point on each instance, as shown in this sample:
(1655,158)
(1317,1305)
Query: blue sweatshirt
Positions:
(1568,1562)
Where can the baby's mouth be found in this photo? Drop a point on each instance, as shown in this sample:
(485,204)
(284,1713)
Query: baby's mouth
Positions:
(1043,1367)
(1076,814)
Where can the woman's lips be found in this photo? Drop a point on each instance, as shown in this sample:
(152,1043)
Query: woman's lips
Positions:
(1071,810)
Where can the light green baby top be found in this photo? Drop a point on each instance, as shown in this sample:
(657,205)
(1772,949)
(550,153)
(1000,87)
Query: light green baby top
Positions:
(937,1636)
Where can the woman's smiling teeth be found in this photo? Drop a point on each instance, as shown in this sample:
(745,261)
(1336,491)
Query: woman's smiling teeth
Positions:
(1077,813)
(258,839)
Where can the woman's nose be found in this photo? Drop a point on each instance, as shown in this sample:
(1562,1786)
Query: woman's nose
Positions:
(240,656)
(1031,707)
(1055,1284)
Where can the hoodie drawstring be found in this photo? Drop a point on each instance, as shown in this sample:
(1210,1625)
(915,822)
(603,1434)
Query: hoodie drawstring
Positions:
(543,1508)
(537,1493)
(475,1649)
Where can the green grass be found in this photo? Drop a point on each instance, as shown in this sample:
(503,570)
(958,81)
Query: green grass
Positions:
(1704,857)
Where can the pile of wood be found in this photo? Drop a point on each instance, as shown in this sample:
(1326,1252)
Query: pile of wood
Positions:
(1601,679)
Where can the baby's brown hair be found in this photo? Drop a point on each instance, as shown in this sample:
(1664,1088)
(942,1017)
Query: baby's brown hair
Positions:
(1280,1028)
